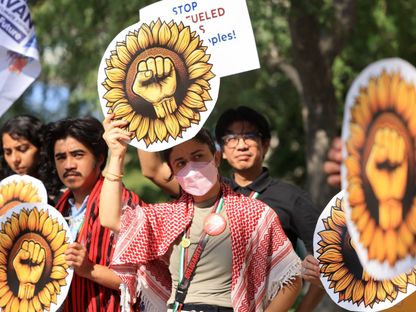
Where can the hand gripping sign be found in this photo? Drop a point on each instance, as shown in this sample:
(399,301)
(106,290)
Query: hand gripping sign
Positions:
(34,275)
(378,172)
(342,275)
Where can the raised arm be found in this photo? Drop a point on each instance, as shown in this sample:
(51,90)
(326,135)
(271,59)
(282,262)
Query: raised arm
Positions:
(158,172)
(110,197)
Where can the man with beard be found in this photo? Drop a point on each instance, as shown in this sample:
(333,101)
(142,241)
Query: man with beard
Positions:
(76,147)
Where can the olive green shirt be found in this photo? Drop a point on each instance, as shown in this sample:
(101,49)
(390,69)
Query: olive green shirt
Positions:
(211,281)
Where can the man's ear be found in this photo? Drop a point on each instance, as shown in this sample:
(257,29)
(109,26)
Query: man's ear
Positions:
(217,158)
(265,145)
(100,161)
(224,156)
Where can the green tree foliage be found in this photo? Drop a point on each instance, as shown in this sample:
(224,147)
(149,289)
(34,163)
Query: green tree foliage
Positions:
(310,52)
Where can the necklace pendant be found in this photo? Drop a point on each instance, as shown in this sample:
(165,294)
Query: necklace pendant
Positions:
(215,224)
(186,242)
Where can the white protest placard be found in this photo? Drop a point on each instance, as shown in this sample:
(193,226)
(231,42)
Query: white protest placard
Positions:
(224,26)
(19,56)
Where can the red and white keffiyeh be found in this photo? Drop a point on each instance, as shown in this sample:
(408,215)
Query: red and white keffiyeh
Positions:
(263,259)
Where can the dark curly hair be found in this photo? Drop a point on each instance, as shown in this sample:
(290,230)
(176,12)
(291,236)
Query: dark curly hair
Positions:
(242,114)
(22,126)
(87,130)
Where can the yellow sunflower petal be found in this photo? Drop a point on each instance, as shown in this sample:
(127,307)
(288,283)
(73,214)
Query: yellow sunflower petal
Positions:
(344,282)
(194,57)
(123,53)
(191,47)
(391,246)
(132,43)
(196,88)
(183,121)
(380,245)
(198,70)
(205,96)
(349,290)
(193,100)
(155,30)
(394,87)
(400,280)
(145,37)
(372,94)
(368,233)
(383,87)
(355,194)
(381,293)
(186,112)
(333,267)
(164,34)
(330,237)
(116,62)
(114,95)
(358,292)
(370,291)
(172,126)
(331,255)
(339,274)
(122,109)
(142,129)
(160,129)
(174,35)
(183,40)
(116,74)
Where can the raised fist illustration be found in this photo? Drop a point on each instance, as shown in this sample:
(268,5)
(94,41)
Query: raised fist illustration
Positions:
(156,82)
(386,170)
(29,263)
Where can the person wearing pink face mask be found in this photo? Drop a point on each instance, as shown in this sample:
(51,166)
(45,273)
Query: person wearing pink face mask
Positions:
(209,250)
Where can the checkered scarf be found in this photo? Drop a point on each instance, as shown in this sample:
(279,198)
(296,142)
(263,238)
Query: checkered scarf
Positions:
(263,259)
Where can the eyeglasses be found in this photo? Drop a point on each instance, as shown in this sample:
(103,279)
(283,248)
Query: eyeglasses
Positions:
(249,138)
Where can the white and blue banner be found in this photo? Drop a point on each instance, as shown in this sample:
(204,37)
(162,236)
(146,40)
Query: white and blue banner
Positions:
(19,56)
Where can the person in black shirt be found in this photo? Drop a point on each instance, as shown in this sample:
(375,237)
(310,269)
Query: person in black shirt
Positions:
(244,136)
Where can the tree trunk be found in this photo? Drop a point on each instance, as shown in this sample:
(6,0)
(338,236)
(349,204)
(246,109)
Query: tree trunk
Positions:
(318,96)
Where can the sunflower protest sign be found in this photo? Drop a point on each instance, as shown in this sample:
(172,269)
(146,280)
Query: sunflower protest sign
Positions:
(223,26)
(17,189)
(162,75)
(34,275)
(19,56)
(342,275)
(378,171)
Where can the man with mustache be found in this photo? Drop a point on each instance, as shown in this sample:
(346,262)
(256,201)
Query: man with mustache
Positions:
(76,147)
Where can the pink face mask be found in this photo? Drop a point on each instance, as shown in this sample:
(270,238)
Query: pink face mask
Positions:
(197,178)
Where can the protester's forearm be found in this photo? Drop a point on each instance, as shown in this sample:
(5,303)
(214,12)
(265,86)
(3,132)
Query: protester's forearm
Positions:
(286,296)
(157,171)
(102,275)
(311,299)
(110,197)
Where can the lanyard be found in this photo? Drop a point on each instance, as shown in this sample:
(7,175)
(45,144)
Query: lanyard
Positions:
(254,194)
(185,271)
